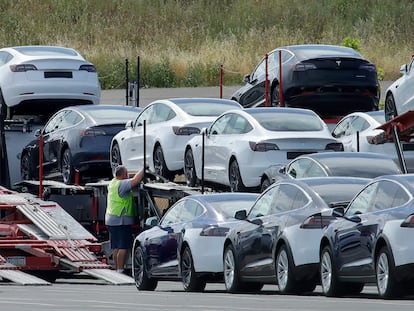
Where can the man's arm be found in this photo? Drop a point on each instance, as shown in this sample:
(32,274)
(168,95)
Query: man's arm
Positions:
(136,179)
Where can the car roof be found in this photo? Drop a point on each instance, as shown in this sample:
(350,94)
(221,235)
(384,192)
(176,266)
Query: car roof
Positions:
(321,50)
(345,154)
(256,110)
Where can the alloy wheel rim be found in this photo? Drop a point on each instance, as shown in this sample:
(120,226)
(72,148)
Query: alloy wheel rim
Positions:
(229,269)
(115,157)
(326,272)
(158,158)
(65,167)
(189,166)
(282,270)
(186,268)
(383,273)
(138,269)
(234,183)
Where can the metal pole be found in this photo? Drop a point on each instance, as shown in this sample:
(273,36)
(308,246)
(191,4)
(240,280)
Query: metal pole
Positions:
(126,82)
(280,80)
(145,151)
(357,138)
(138,76)
(202,161)
(4,163)
(399,149)
(41,166)
(221,81)
(267,80)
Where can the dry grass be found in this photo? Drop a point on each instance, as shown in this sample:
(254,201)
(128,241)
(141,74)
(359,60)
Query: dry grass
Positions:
(185,33)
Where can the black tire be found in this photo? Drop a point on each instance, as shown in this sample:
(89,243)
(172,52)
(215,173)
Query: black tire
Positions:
(236,183)
(275,96)
(265,184)
(390,108)
(189,169)
(66,167)
(160,166)
(331,286)
(284,272)
(115,157)
(191,282)
(353,289)
(142,281)
(388,286)
(231,273)
(27,169)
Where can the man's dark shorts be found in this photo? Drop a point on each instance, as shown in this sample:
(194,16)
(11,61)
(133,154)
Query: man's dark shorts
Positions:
(120,237)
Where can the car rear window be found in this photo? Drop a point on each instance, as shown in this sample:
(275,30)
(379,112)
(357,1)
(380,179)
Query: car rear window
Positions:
(281,122)
(206,109)
(45,50)
(116,114)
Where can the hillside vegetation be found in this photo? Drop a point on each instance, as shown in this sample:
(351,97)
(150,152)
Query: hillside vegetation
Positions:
(184,42)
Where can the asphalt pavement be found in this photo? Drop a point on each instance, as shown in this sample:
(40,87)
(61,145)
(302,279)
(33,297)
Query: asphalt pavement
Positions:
(120,96)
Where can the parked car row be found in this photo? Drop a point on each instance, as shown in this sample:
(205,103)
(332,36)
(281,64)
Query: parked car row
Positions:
(340,232)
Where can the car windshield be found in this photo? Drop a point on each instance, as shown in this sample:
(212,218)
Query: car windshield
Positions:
(280,122)
(116,114)
(229,208)
(45,50)
(206,109)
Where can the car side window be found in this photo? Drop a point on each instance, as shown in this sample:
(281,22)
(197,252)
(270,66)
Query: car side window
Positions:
(238,125)
(298,168)
(162,113)
(283,202)
(359,124)
(145,115)
(259,71)
(191,210)
(54,123)
(71,118)
(341,129)
(173,215)
(219,126)
(263,206)
(389,194)
(5,57)
(300,199)
(363,201)
(314,170)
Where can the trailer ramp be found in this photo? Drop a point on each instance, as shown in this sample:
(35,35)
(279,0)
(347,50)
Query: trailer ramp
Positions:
(11,273)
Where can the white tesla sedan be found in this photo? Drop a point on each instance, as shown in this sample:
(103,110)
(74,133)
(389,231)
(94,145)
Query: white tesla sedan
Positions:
(169,124)
(365,124)
(241,144)
(46,74)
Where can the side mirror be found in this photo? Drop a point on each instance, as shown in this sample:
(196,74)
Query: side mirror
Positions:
(403,69)
(151,222)
(246,78)
(38,132)
(241,215)
(128,124)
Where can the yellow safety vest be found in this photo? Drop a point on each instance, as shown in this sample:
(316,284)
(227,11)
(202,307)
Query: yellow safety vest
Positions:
(117,204)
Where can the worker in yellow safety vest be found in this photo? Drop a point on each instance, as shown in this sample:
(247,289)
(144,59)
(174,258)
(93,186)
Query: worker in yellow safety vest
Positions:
(120,214)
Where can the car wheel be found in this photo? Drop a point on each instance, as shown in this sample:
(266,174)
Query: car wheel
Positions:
(191,282)
(390,108)
(115,157)
(331,286)
(275,96)
(231,273)
(67,170)
(27,171)
(384,269)
(159,164)
(236,183)
(189,169)
(284,272)
(265,184)
(142,281)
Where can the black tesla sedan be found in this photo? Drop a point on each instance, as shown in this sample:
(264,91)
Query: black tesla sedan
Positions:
(76,138)
(331,80)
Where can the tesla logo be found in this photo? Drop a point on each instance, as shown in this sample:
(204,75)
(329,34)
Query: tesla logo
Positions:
(338,63)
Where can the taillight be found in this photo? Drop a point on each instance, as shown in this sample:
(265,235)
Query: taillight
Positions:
(335,147)
(317,222)
(408,222)
(185,130)
(214,231)
(368,67)
(304,67)
(88,68)
(92,132)
(377,139)
(22,67)
(262,146)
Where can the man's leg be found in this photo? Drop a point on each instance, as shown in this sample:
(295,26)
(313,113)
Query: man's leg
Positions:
(115,253)
(121,258)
